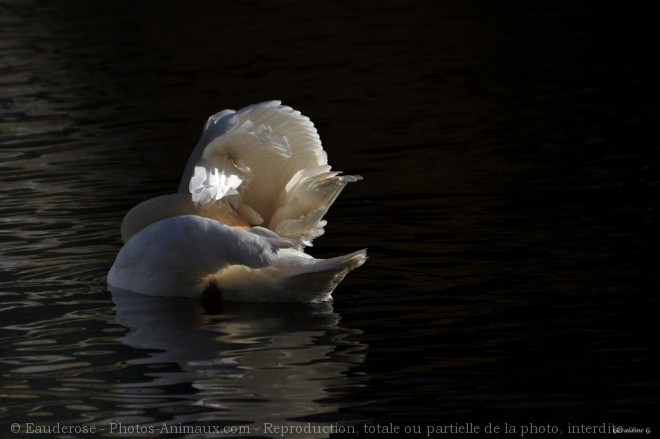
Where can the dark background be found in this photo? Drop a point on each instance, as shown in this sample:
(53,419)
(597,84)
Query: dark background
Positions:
(510,193)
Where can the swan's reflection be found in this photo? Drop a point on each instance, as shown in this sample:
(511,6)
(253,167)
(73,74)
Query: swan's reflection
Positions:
(252,364)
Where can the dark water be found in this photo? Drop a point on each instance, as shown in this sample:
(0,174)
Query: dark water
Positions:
(509,204)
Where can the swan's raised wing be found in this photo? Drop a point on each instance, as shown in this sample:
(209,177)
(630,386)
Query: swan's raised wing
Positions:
(251,155)
(266,163)
(175,256)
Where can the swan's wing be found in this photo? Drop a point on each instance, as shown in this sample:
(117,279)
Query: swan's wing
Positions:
(293,277)
(216,125)
(304,202)
(252,156)
(175,256)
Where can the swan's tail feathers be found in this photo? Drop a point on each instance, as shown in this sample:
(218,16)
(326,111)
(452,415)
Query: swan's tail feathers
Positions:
(340,264)
(305,201)
(294,277)
(316,282)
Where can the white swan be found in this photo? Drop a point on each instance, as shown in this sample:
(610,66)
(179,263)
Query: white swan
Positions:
(252,197)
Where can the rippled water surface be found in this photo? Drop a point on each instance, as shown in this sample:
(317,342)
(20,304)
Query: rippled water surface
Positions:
(509,204)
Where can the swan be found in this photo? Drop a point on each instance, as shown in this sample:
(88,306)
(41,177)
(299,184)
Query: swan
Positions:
(252,197)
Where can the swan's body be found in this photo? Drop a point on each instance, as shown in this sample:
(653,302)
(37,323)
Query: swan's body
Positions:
(252,196)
